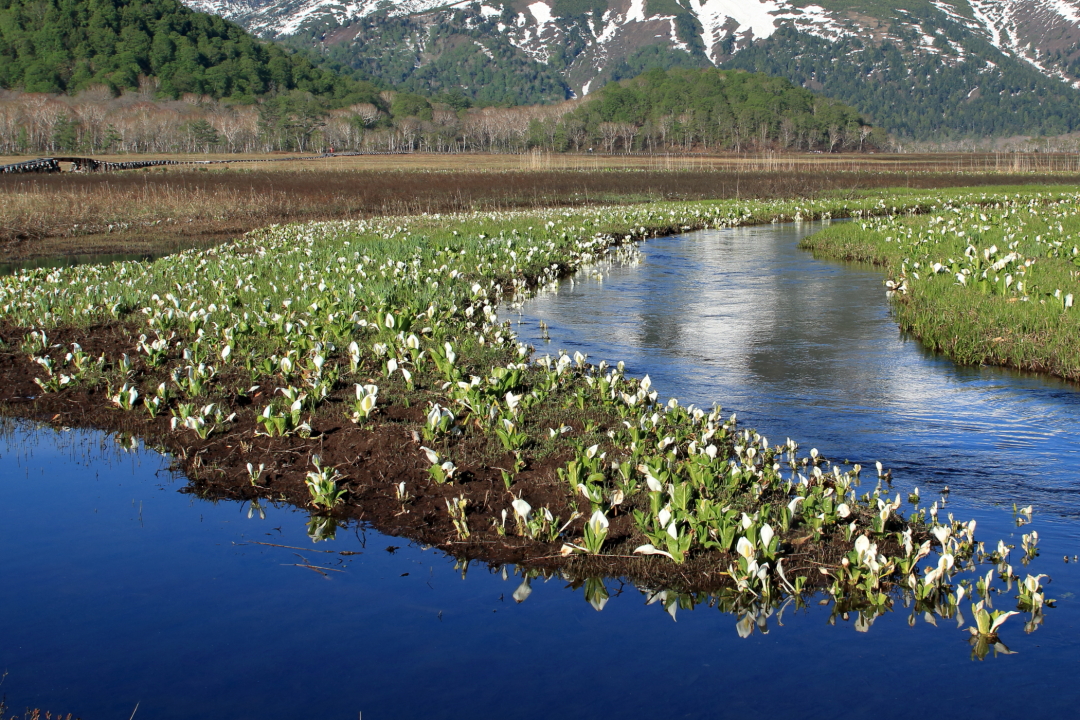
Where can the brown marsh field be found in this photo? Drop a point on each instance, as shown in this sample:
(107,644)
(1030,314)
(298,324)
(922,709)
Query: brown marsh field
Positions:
(159,210)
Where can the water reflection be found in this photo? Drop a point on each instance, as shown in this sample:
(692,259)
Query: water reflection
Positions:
(129,592)
(807,349)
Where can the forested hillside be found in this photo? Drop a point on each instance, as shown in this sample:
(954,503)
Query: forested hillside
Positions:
(463,54)
(724,110)
(922,96)
(64,46)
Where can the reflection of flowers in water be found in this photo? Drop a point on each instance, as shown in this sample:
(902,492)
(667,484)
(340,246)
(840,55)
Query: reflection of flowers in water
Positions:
(756,618)
(523,591)
(596,593)
(981,647)
(321,527)
(754,613)
(255,507)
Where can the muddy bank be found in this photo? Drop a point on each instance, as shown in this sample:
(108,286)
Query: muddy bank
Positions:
(374,459)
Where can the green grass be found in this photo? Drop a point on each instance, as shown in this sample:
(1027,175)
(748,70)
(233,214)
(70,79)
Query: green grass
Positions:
(1019,260)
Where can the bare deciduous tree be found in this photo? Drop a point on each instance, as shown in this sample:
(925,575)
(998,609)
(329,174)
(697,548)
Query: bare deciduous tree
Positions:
(609,133)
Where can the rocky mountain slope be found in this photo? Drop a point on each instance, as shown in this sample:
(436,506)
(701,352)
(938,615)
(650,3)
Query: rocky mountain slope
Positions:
(921,68)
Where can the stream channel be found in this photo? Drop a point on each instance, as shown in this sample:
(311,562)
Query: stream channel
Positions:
(120,591)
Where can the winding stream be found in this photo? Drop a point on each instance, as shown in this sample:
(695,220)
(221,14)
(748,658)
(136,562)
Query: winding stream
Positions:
(119,590)
(807,349)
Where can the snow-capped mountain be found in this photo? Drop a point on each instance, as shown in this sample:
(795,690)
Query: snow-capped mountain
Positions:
(275,18)
(583,43)
(1026,29)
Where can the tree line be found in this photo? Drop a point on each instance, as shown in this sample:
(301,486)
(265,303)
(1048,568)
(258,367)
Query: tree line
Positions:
(678,110)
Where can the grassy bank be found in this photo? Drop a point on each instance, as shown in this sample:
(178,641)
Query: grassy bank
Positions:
(359,369)
(165,210)
(992,283)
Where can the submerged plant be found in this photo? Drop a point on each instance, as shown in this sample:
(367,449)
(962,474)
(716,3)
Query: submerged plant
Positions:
(984,636)
(321,528)
(256,508)
(596,593)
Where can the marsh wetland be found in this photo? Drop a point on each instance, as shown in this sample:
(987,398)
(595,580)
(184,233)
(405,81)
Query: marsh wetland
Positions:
(382,447)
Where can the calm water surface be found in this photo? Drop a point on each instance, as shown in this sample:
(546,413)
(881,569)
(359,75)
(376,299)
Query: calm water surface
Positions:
(120,590)
(807,349)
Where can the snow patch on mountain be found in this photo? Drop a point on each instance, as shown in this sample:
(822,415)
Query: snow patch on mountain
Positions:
(673,36)
(285,17)
(1042,33)
(1002,25)
(816,20)
(542,13)
(1065,10)
(224,8)
(758,18)
(636,12)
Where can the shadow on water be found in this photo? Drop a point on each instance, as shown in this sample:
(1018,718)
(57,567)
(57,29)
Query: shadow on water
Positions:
(122,590)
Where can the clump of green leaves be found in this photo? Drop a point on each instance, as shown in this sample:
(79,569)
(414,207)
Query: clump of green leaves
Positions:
(323,486)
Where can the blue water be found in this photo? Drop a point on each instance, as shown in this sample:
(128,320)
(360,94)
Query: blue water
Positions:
(807,349)
(120,590)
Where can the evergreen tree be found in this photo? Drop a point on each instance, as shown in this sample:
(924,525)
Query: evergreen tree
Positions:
(63,46)
(720,109)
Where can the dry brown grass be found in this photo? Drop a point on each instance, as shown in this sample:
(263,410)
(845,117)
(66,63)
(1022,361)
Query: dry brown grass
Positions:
(763,162)
(164,209)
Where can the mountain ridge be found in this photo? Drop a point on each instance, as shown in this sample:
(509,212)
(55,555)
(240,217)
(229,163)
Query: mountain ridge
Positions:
(1029,48)
(1010,25)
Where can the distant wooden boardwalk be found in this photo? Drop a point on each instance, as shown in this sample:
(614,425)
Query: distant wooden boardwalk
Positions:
(82,164)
